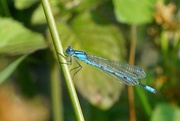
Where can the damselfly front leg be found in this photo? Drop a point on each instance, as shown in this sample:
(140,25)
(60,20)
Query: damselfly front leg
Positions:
(69,62)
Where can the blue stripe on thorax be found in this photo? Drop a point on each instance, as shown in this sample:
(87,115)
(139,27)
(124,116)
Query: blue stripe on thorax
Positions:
(83,57)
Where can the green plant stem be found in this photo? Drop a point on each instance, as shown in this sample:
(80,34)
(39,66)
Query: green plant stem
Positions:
(5,8)
(132,115)
(56,91)
(59,49)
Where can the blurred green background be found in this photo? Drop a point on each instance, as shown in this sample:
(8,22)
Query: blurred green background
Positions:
(31,80)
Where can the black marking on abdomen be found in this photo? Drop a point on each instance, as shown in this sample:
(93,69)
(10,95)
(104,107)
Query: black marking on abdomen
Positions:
(125,77)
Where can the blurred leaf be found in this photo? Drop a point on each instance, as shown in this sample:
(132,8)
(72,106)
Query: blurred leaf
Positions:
(143,97)
(88,4)
(166,112)
(23,4)
(80,5)
(38,16)
(16,39)
(94,34)
(134,11)
(164,42)
(10,68)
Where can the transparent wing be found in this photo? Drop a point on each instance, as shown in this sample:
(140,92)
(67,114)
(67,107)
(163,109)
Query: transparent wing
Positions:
(138,71)
(133,72)
(121,80)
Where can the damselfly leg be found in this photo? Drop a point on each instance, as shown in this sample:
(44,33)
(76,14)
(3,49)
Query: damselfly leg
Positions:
(79,67)
(69,62)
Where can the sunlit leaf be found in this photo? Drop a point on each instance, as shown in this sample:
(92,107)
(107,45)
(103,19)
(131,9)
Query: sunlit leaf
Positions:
(4,74)
(95,35)
(16,39)
(88,4)
(134,11)
(80,5)
(166,112)
(38,16)
(23,4)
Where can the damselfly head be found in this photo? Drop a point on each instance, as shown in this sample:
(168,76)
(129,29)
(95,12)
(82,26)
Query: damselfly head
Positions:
(69,50)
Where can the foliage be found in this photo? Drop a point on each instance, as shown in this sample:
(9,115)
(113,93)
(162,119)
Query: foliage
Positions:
(102,28)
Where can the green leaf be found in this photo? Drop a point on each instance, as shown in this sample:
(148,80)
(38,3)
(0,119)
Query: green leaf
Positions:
(10,68)
(95,35)
(143,99)
(134,11)
(166,112)
(80,5)
(38,16)
(88,4)
(15,39)
(23,4)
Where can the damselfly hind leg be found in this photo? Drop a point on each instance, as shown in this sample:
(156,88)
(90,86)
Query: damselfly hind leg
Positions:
(79,67)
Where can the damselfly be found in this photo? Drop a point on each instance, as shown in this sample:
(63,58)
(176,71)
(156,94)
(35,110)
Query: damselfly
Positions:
(125,73)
